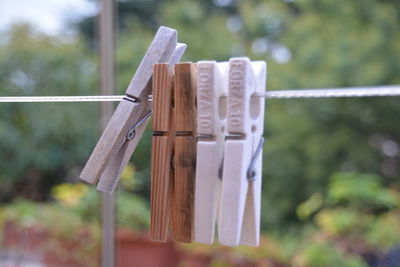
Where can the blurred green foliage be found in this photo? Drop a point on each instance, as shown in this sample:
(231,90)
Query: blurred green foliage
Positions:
(306,44)
(62,228)
(69,226)
(42,144)
(314,152)
(362,191)
(356,218)
(74,208)
(338,233)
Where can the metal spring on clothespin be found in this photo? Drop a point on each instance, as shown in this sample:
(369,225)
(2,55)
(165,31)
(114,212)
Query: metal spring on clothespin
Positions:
(251,172)
(131,133)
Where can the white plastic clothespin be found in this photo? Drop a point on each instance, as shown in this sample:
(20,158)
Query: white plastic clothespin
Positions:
(242,174)
(211,120)
(129,120)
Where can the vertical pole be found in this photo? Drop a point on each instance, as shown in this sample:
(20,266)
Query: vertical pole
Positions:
(107,88)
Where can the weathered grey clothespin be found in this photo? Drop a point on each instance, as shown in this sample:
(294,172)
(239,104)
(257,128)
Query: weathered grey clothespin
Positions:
(124,130)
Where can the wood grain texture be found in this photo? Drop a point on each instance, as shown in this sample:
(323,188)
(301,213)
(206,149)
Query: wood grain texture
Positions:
(110,177)
(183,206)
(127,113)
(162,151)
(161,187)
(160,51)
(185,94)
(112,139)
(185,151)
(162,97)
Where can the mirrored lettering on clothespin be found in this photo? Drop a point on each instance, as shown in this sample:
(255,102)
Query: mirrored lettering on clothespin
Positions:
(116,146)
(173,152)
(242,169)
(211,128)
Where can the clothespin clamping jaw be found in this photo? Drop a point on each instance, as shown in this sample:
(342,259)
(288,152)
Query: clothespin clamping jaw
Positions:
(124,130)
(241,185)
(211,128)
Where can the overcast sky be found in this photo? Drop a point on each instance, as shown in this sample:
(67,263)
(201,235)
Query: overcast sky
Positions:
(49,16)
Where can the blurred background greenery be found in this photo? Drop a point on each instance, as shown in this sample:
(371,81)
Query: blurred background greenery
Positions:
(331,187)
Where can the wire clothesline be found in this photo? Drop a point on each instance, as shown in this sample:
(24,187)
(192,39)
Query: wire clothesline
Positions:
(377,91)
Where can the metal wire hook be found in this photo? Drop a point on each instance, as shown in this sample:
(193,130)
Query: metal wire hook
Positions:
(221,170)
(251,171)
(132,132)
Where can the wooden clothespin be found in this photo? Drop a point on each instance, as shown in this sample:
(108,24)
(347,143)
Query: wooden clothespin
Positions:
(211,129)
(242,172)
(163,139)
(173,152)
(119,139)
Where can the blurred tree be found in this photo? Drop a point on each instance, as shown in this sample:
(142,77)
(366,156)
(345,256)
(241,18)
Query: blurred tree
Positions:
(43,144)
(306,43)
(358,218)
